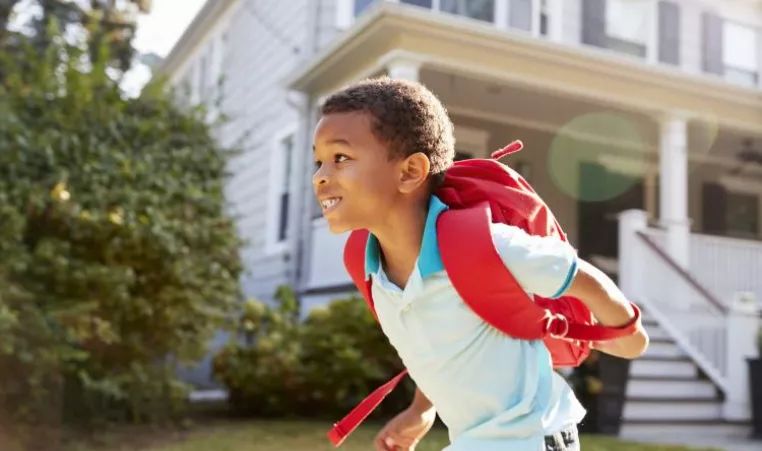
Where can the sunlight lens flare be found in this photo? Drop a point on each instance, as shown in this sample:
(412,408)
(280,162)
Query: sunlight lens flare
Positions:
(597,157)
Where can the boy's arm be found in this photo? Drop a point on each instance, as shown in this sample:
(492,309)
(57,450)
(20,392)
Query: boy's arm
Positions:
(549,267)
(610,307)
(421,403)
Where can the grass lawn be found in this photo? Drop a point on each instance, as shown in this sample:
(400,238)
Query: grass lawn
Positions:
(292,436)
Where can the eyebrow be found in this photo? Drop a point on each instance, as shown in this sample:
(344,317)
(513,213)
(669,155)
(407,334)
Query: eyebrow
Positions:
(340,141)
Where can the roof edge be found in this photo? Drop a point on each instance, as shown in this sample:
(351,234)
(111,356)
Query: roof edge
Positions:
(206,18)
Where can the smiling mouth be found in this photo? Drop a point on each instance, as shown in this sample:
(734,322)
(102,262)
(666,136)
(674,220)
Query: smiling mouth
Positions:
(330,204)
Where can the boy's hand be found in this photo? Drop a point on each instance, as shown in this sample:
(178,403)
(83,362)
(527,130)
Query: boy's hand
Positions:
(405,430)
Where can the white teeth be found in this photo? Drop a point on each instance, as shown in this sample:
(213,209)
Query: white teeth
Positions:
(328,203)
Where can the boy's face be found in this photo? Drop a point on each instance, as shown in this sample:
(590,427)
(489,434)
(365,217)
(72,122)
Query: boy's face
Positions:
(355,181)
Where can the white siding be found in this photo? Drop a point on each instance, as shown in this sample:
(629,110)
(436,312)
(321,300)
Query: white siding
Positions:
(328,30)
(691,39)
(214,46)
(267,39)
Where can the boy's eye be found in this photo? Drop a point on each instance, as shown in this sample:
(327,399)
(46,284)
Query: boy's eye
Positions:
(338,158)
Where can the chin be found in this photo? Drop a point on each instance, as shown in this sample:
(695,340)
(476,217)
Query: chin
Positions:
(338,227)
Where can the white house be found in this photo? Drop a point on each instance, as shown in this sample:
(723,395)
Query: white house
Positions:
(642,121)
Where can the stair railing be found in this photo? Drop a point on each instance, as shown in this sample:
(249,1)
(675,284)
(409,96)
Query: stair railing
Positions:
(690,313)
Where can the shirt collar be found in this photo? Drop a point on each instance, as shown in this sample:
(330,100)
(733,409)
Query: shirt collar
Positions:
(429,260)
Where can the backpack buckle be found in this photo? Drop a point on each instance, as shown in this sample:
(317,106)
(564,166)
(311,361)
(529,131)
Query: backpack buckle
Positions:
(555,332)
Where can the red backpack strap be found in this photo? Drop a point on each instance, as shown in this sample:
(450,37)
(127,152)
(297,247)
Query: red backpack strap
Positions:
(349,423)
(354,261)
(491,291)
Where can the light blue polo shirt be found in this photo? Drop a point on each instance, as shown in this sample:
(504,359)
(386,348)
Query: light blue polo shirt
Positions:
(493,392)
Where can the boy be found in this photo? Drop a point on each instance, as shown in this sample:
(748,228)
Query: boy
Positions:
(381,149)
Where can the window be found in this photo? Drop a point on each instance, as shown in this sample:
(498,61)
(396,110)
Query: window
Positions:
(625,26)
(347,10)
(742,215)
(520,14)
(534,16)
(287,147)
(279,189)
(731,207)
(544,17)
(422,3)
(628,25)
(474,9)
(361,6)
(731,50)
(528,15)
(740,53)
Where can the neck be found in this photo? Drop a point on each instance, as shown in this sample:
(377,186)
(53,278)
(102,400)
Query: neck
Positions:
(400,237)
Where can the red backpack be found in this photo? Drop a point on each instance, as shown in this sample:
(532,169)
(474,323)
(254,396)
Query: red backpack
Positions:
(478,192)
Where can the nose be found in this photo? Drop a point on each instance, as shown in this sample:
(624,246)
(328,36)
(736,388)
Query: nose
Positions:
(320,177)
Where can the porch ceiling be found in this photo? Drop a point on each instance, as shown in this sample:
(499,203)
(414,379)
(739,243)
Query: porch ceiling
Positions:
(454,45)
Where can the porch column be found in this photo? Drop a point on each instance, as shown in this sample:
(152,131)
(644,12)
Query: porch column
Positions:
(631,258)
(404,68)
(673,181)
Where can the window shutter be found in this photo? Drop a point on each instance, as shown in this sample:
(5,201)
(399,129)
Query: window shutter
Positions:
(594,22)
(669,32)
(712,44)
(714,201)
(520,14)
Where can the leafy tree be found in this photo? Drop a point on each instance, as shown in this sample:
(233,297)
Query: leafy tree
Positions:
(117,260)
(110,23)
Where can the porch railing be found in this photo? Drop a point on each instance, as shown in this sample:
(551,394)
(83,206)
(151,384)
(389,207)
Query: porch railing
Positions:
(681,304)
(695,318)
(727,265)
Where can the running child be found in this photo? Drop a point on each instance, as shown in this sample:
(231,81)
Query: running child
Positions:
(381,149)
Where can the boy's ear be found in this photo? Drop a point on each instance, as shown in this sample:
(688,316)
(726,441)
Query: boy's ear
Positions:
(414,172)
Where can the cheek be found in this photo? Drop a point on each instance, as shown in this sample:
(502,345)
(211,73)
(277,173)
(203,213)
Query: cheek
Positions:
(370,185)
(357,177)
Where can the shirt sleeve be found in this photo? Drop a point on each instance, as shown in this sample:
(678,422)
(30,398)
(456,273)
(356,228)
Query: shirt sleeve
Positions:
(542,265)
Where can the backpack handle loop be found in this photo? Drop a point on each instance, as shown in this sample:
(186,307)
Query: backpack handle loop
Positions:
(555,332)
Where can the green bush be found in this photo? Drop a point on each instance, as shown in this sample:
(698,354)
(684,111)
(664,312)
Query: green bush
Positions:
(321,366)
(117,261)
(261,367)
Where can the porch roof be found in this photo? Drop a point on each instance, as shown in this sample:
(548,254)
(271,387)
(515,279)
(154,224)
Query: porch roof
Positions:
(455,45)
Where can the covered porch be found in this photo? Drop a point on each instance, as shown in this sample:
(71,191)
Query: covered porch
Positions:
(602,135)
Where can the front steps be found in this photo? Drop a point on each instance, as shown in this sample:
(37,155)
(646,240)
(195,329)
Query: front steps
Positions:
(667,395)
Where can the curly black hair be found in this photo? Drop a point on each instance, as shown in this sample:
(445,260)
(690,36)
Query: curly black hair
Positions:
(406,117)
